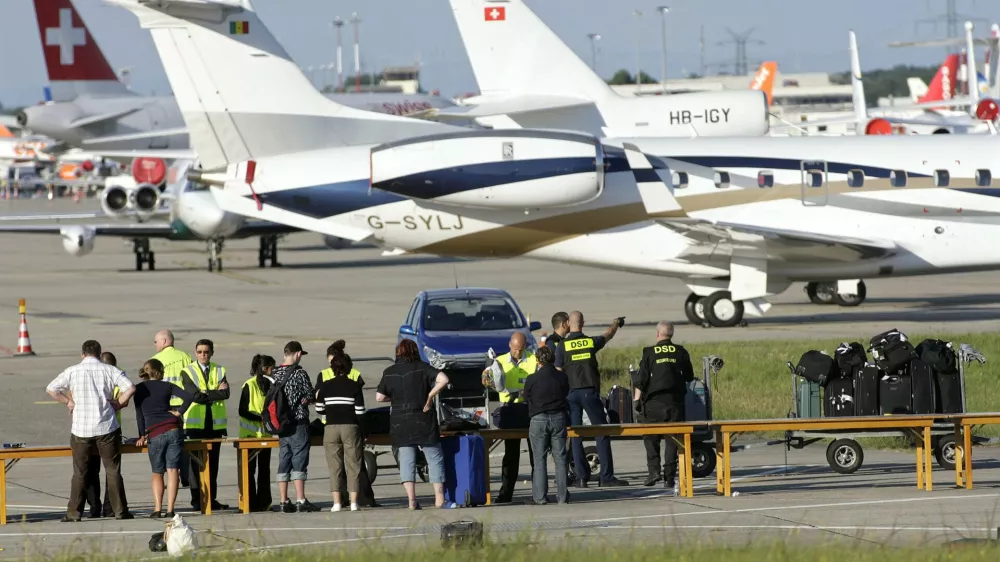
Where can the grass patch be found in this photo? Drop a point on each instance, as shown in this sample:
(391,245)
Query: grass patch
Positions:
(756,384)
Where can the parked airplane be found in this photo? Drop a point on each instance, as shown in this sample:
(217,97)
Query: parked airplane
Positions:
(770,212)
(93,110)
(529,78)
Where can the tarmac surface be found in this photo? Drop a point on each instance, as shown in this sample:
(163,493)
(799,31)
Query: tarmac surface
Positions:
(321,295)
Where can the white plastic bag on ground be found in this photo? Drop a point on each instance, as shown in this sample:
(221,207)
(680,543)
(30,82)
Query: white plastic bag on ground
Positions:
(179,536)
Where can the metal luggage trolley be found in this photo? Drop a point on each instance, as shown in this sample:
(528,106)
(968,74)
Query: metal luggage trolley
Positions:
(703,457)
(845,455)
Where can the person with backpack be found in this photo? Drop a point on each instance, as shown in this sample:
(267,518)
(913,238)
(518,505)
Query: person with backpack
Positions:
(252,425)
(286,414)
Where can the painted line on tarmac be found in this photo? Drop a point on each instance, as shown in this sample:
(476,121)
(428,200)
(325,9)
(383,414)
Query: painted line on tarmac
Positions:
(794,507)
(46,403)
(816,528)
(774,470)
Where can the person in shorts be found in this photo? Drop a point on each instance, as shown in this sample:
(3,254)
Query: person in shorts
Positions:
(160,430)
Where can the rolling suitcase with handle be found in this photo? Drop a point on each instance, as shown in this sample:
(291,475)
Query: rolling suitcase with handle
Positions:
(892,351)
(866,383)
(924,387)
(620,405)
(464,470)
(895,393)
(948,392)
(838,398)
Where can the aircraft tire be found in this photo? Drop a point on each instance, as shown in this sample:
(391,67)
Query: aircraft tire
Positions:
(852,300)
(721,311)
(818,297)
(691,309)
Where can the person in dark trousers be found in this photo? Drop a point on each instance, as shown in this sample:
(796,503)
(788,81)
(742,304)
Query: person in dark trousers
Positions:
(341,402)
(546,392)
(92,481)
(410,385)
(577,357)
(664,371)
(86,389)
(251,425)
(293,443)
(160,429)
(206,418)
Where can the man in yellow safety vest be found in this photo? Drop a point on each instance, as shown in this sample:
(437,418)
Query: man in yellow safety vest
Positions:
(509,373)
(206,418)
(173,361)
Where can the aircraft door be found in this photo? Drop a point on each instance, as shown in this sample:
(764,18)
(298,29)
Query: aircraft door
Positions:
(815,175)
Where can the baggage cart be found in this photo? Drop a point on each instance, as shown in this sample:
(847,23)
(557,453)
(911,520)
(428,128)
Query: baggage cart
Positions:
(845,455)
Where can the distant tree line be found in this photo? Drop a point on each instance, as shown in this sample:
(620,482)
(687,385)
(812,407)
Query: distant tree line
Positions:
(887,82)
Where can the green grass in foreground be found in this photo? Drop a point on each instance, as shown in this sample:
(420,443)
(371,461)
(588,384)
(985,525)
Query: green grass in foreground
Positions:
(755,382)
(776,552)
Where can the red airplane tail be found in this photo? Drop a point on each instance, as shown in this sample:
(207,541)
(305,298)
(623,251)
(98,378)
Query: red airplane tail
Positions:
(942,87)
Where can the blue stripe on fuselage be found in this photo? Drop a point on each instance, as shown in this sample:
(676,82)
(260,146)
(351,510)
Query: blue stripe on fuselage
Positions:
(322,201)
(759,163)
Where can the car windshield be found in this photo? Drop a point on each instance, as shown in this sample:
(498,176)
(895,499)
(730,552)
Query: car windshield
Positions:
(469,314)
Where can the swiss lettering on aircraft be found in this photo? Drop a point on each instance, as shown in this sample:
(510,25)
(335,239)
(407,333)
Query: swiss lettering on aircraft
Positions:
(717,115)
(406,107)
(418,222)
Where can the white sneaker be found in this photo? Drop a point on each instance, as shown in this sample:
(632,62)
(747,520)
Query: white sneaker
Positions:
(677,490)
(354,507)
(335,508)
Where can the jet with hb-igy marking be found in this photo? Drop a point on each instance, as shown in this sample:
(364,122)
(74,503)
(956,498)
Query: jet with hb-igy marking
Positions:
(750,217)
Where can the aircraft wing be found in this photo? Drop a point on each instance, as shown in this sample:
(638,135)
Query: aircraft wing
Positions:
(509,106)
(152,134)
(102,117)
(165,153)
(73,216)
(126,230)
(263,228)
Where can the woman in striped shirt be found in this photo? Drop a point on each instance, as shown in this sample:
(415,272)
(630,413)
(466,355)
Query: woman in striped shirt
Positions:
(341,400)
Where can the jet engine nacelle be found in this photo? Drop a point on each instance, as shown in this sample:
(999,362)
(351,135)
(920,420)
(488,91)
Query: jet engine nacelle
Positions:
(115,200)
(145,199)
(494,169)
(78,240)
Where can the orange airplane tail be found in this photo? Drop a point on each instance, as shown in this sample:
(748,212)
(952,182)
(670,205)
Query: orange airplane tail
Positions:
(763,79)
(5,132)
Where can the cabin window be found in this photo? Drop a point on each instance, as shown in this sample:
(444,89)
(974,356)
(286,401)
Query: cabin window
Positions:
(855,178)
(722,180)
(897,178)
(984,178)
(765,179)
(941,178)
(679,179)
(814,178)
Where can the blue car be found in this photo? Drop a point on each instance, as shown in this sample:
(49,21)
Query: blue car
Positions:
(454,328)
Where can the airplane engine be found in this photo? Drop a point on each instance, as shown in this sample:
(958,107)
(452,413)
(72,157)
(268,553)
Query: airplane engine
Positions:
(493,169)
(146,199)
(78,240)
(115,200)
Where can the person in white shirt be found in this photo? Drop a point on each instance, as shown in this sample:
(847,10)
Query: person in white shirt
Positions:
(87,389)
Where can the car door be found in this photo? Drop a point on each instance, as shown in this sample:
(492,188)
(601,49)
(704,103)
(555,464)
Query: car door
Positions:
(410,328)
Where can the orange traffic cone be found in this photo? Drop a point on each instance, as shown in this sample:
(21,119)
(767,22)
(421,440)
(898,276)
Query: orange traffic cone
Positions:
(23,341)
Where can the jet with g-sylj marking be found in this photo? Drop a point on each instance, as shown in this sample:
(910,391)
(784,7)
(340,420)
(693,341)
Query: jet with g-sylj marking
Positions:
(750,219)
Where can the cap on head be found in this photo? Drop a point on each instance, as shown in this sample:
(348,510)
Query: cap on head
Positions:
(293,347)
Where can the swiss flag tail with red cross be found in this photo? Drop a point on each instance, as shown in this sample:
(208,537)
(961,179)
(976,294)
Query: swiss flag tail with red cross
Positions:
(74,61)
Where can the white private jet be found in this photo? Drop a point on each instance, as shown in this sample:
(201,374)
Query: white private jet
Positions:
(754,215)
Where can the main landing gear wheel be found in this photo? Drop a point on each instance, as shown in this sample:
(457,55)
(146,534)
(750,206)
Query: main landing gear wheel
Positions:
(214,259)
(852,300)
(821,293)
(143,255)
(268,251)
(694,309)
(721,311)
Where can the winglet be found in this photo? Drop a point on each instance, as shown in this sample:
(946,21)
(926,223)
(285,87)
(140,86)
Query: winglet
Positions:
(655,194)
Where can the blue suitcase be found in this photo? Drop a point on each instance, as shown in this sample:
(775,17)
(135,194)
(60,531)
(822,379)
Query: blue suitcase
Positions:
(464,470)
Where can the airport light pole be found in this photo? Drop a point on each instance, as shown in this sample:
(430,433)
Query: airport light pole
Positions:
(638,34)
(663,46)
(338,24)
(357,53)
(594,38)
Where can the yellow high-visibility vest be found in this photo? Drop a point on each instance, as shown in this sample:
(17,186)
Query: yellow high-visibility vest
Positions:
(251,428)
(194,418)
(174,361)
(514,377)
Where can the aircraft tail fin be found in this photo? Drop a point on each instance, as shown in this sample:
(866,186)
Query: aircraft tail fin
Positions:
(918,88)
(241,95)
(5,132)
(763,79)
(857,83)
(513,52)
(74,62)
(942,87)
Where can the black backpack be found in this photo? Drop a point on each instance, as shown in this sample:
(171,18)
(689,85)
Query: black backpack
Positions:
(277,414)
(940,355)
(850,357)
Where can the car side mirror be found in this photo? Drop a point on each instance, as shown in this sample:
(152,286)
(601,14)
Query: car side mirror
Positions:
(535,325)
(408,330)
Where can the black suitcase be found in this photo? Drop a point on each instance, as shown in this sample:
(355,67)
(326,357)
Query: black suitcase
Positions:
(866,383)
(462,534)
(375,421)
(949,393)
(940,355)
(850,357)
(620,405)
(816,366)
(895,393)
(892,351)
(924,393)
(838,399)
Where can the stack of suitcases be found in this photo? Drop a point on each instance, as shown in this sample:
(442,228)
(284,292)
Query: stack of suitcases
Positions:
(899,379)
